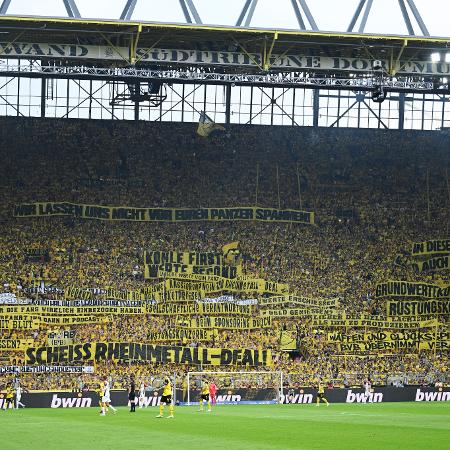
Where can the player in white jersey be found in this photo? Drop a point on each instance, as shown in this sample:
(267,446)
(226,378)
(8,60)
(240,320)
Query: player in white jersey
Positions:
(106,399)
(368,390)
(141,394)
(19,396)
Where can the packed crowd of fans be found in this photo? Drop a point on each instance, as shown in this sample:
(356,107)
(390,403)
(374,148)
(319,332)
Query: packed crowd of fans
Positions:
(373,193)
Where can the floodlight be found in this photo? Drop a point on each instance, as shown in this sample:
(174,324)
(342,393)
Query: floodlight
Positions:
(435,57)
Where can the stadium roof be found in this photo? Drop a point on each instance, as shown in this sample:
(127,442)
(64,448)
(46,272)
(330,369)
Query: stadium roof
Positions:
(216,37)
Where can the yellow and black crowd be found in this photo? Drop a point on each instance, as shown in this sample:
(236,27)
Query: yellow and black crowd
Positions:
(373,193)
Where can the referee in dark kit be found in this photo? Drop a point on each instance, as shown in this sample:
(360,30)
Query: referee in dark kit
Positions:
(132,394)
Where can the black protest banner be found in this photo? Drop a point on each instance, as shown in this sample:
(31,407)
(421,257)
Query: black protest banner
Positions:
(112,213)
(131,351)
(431,247)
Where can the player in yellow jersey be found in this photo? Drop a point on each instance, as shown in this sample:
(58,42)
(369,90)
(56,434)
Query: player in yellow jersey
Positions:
(166,399)
(204,395)
(321,395)
(9,397)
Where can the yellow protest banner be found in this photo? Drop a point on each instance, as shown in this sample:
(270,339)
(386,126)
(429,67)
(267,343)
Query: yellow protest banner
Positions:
(12,345)
(12,324)
(229,323)
(298,300)
(182,335)
(173,309)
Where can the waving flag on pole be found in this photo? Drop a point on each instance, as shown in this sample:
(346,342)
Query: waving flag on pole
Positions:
(206,125)
(231,252)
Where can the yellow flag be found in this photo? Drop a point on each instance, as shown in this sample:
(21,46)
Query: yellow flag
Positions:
(288,340)
(206,125)
(231,252)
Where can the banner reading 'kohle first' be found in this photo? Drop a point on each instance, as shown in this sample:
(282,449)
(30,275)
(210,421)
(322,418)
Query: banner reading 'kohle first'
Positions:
(127,213)
(162,264)
(131,351)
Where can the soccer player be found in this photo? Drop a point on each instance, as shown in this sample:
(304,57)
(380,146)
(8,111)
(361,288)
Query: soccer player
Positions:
(106,400)
(290,396)
(141,394)
(166,399)
(9,397)
(321,395)
(19,396)
(368,389)
(99,391)
(204,396)
(132,395)
(212,392)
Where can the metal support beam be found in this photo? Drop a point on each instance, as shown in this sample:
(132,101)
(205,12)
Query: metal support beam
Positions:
(394,65)
(356,16)
(227,104)
(377,116)
(316,101)
(343,114)
(250,13)
(72,10)
(185,10)
(418,18)
(298,14)
(406,17)
(136,103)
(365,16)
(132,74)
(5,6)
(308,14)
(401,111)
(194,12)
(405,14)
(128,10)
(247,13)
(243,12)
(43,95)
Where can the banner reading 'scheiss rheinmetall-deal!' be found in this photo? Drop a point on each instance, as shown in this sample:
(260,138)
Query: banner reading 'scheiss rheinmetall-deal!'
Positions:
(131,351)
(128,213)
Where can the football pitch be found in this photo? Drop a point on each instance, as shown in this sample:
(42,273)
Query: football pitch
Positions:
(393,426)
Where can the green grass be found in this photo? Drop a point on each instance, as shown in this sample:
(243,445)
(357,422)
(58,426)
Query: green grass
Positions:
(386,426)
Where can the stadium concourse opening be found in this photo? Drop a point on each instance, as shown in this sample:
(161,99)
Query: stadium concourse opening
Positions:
(258,236)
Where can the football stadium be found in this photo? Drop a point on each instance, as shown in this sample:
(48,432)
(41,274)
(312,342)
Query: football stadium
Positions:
(225,224)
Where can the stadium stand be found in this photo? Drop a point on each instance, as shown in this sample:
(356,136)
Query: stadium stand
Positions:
(373,193)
